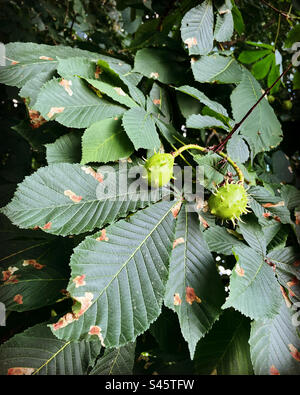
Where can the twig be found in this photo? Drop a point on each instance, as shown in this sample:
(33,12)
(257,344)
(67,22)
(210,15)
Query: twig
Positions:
(221,146)
(287,16)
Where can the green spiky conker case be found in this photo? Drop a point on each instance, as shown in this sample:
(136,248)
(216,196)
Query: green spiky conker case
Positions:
(229,202)
(159,169)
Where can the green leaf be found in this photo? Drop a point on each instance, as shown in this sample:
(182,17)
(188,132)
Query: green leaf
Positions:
(116,361)
(69,199)
(285,263)
(212,173)
(125,270)
(73,104)
(296,80)
(225,350)
(216,68)
(204,121)
(220,240)
(47,133)
(254,290)
(273,76)
(66,149)
(262,128)
(160,98)
(195,93)
(32,87)
(252,56)
(194,290)
(81,67)
(253,233)
(263,201)
(20,275)
(239,24)
(260,45)
(140,128)
(273,343)
(293,36)
(116,93)
(169,132)
(105,141)
(40,352)
(282,167)
(237,149)
(35,282)
(159,64)
(261,68)
(197,29)
(224,24)
(34,59)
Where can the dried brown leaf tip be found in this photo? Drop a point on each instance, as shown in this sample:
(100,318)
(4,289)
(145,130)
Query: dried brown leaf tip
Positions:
(294,352)
(18,299)
(79,281)
(177,300)
(191,42)
(36,120)
(274,371)
(96,330)
(190,296)
(239,270)
(34,263)
(66,84)
(178,241)
(20,371)
(103,236)
(75,198)
(55,110)
(88,170)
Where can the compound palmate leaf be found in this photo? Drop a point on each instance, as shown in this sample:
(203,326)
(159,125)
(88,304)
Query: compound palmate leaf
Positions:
(275,344)
(27,60)
(225,350)
(38,351)
(197,29)
(119,276)
(71,103)
(68,198)
(254,290)
(261,129)
(194,290)
(105,141)
(116,361)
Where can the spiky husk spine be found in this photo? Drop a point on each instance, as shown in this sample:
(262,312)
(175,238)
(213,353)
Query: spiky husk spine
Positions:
(229,202)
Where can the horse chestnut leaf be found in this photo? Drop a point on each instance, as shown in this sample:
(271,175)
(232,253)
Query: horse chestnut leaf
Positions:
(159,169)
(229,202)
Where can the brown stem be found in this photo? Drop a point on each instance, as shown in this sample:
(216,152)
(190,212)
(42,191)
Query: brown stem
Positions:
(287,16)
(221,146)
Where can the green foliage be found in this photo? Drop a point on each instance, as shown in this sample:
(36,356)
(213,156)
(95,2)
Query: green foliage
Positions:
(100,275)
